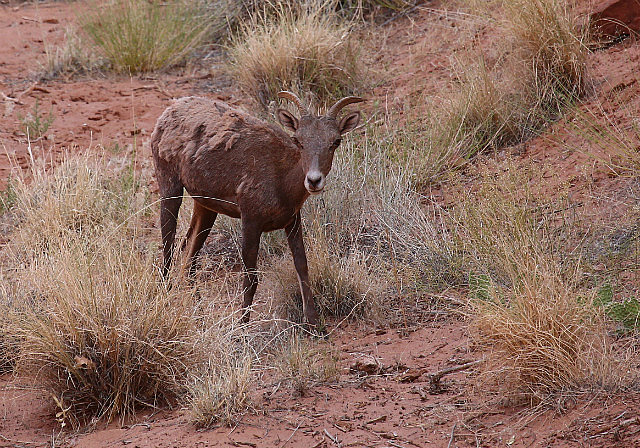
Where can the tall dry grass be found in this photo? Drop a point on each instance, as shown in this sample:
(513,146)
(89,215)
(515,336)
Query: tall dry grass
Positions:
(551,43)
(602,136)
(298,47)
(103,333)
(70,58)
(542,334)
(541,70)
(301,363)
(219,390)
(94,325)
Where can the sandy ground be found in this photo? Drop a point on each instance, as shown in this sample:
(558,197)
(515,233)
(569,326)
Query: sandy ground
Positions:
(381,408)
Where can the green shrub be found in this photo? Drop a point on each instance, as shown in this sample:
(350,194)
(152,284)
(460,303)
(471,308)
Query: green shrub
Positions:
(139,36)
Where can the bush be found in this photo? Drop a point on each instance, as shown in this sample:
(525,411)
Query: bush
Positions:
(301,48)
(543,336)
(551,46)
(94,323)
(542,71)
(139,36)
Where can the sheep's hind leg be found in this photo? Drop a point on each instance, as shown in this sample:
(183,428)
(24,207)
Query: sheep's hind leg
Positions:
(202,221)
(169,207)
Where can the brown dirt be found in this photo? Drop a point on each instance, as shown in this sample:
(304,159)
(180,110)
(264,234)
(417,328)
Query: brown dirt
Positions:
(360,409)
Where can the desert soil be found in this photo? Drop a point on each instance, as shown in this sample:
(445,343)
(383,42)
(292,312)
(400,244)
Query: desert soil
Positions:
(384,397)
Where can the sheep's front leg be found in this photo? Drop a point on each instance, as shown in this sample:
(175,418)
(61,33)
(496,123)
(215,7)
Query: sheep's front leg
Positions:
(250,245)
(296,244)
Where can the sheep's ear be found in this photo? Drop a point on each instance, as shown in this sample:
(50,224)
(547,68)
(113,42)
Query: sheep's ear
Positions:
(287,120)
(349,123)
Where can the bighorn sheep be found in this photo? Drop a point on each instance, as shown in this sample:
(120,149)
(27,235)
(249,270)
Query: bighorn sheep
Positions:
(235,164)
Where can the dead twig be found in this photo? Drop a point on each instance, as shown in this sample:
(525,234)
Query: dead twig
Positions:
(292,434)
(453,432)
(412,375)
(434,378)
(332,438)
(392,443)
(16,442)
(239,443)
(382,418)
(317,445)
(30,89)
(10,99)
(615,426)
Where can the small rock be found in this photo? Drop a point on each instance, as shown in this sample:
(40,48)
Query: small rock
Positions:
(368,365)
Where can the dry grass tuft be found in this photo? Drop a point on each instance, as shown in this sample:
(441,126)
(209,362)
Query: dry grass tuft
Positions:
(303,364)
(221,393)
(552,47)
(71,58)
(9,342)
(543,336)
(605,138)
(482,114)
(537,76)
(341,286)
(103,333)
(140,36)
(300,48)
(95,325)
(78,202)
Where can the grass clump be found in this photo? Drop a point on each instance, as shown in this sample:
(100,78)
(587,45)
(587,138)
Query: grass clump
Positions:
(140,36)
(341,285)
(95,324)
(36,124)
(552,46)
(369,8)
(77,202)
(605,137)
(531,83)
(481,115)
(9,343)
(300,48)
(104,334)
(220,394)
(529,311)
(301,364)
(71,58)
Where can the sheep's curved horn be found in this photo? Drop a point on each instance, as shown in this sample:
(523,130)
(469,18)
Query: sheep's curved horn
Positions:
(333,112)
(295,100)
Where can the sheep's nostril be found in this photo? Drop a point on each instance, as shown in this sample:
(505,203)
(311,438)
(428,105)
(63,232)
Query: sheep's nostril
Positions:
(314,181)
